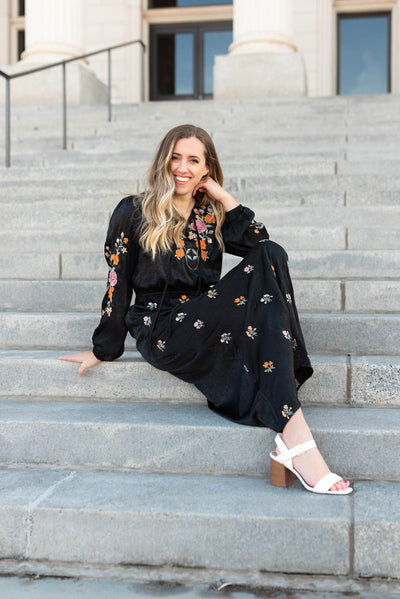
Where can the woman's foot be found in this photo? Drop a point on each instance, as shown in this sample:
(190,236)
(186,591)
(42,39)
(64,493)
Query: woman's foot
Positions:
(311,465)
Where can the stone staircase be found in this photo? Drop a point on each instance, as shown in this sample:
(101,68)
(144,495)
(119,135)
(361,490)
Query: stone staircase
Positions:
(125,471)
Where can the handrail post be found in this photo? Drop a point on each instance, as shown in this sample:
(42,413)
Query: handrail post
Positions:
(109,85)
(143,68)
(64,95)
(8,125)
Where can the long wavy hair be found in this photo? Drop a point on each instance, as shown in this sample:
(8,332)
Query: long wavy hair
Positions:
(162,224)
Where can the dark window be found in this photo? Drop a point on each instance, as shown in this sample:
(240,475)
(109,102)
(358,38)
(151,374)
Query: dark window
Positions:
(363,53)
(21,8)
(21,43)
(180,3)
(182,58)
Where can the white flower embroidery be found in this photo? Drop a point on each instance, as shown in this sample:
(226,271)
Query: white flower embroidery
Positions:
(266,298)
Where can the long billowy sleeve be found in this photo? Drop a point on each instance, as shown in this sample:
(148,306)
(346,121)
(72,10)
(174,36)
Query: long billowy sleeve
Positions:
(241,231)
(121,251)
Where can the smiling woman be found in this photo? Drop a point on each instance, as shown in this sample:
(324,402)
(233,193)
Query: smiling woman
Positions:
(237,339)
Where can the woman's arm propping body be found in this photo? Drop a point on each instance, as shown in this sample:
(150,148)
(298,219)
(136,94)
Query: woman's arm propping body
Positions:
(121,254)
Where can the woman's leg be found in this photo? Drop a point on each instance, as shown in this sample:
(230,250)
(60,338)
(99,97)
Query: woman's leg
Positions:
(311,465)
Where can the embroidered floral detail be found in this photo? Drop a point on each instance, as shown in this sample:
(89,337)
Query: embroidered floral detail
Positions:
(287,412)
(273,270)
(268,366)
(198,324)
(289,298)
(180,251)
(161,345)
(183,299)
(226,337)
(112,278)
(112,257)
(287,335)
(245,368)
(256,226)
(248,269)
(251,332)
(294,344)
(240,301)
(152,305)
(212,293)
(180,316)
(266,298)
(147,320)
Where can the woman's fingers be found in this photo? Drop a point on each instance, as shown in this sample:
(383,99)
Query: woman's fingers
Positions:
(71,358)
(85,359)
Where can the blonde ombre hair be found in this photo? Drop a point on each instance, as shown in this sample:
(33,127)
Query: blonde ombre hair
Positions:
(162,224)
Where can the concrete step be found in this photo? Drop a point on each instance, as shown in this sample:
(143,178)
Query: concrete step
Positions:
(185,439)
(76,239)
(81,296)
(63,216)
(339,333)
(210,523)
(304,264)
(337,380)
(312,295)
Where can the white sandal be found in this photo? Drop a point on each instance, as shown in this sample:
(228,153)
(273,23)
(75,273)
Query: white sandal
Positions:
(282,469)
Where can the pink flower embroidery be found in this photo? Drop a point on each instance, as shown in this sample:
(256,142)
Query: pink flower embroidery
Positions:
(201,227)
(113,278)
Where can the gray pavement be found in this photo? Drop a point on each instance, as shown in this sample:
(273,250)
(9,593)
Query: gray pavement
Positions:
(58,588)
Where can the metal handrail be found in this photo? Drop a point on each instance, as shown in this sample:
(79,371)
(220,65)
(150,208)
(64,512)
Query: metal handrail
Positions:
(63,64)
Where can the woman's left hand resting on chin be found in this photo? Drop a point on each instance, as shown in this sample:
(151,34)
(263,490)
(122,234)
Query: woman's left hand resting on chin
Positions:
(216,192)
(86,359)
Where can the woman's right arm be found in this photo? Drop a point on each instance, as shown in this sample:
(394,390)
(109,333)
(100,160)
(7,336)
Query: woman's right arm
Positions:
(120,251)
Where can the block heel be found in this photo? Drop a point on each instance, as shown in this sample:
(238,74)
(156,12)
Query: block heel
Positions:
(280,476)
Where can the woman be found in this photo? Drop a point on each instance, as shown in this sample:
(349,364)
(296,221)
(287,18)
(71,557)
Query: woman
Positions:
(237,339)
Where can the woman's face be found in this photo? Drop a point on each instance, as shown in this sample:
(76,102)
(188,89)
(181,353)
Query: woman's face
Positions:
(188,165)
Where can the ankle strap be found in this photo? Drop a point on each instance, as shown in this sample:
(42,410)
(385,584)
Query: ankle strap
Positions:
(287,454)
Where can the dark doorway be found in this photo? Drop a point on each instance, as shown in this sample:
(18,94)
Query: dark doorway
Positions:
(182,58)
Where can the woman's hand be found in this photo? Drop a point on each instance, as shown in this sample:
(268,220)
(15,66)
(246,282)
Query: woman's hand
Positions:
(216,192)
(86,359)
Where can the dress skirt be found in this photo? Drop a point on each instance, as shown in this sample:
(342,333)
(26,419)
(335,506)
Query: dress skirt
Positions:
(239,342)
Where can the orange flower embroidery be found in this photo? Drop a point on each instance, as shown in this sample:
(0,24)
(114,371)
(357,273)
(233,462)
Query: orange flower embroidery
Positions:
(202,244)
(115,259)
(204,255)
(180,252)
(183,299)
(209,218)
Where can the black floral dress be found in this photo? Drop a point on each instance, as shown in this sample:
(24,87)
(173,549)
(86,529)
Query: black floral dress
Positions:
(237,339)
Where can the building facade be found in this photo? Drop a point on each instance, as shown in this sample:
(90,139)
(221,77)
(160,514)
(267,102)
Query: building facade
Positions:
(329,46)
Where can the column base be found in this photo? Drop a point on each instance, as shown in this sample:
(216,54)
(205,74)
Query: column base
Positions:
(45,88)
(259,76)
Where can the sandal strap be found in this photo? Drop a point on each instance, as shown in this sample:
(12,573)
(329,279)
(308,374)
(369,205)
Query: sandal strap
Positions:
(326,482)
(287,454)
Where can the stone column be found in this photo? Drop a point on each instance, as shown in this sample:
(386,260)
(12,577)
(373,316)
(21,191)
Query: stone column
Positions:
(263,59)
(53,30)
